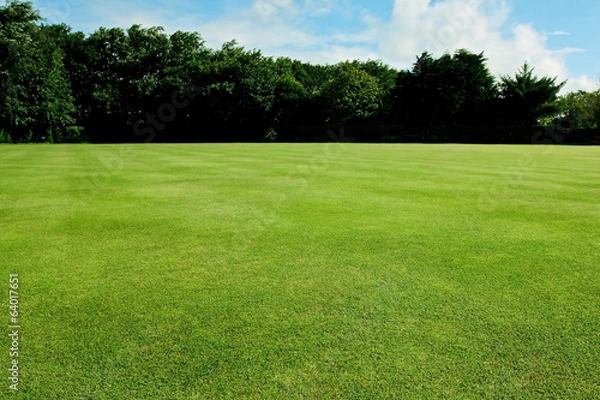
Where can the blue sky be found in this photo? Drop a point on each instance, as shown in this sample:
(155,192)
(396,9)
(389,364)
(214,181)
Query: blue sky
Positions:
(558,38)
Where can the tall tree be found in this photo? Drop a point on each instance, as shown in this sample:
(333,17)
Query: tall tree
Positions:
(108,52)
(236,91)
(186,58)
(310,108)
(163,72)
(76,62)
(453,89)
(579,110)
(386,78)
(525,98)
(36,102)
(476,89)
(352,94)
(414,91)
(144,67)
(291,96)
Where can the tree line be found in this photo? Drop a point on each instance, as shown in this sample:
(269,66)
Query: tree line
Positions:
(143,85)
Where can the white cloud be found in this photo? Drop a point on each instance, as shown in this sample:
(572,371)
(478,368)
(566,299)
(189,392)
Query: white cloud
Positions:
(267,9)
(476,25)
(582,82)
(276,36)
(319,7)
(335,53)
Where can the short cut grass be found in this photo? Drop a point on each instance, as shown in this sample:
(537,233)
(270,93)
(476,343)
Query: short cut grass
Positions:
(325,271)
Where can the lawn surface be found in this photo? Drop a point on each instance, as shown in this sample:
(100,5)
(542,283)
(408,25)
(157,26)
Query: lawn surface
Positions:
(317,271)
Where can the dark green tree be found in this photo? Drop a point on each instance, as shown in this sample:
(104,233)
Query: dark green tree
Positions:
(76,65)
(386,78)
(143,70)
(108,52)
(414,91)
(36,102)
(474,90)
(236,99)
(526,99)
(580,110)
(163,72)
(453,89)
(291,96)
(186,60)
(352,94)
(311,109)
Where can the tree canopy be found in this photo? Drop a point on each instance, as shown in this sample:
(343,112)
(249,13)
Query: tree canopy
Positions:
(453,89)
(36,101)
(526,98)
(142,84)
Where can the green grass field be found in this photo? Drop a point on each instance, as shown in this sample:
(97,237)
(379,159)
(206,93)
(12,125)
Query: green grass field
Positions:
(304,271)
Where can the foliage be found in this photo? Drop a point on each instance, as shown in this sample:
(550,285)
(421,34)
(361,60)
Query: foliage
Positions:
(453,89)
(526,98)
(36,102)
(386,78)
(142,84)
(351,94)
(237,88)
(581,109)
